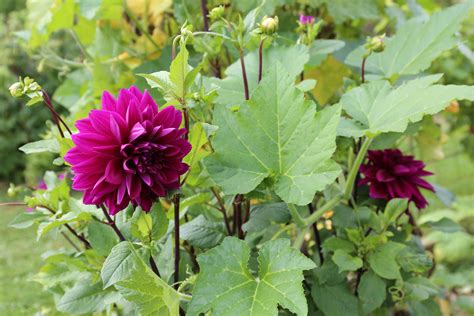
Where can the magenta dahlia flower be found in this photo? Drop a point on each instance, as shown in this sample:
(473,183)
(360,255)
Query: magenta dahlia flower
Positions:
(306,19)
(390,174)
(128,151)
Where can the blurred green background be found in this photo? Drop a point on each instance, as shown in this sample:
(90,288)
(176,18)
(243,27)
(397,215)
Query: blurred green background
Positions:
(445,142)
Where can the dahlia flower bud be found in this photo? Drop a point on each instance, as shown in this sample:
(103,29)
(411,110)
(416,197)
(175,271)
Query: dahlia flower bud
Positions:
(128,151)
(375,44)
(269,25)
(390,174)
(16,90)
(306,19)
(216,13)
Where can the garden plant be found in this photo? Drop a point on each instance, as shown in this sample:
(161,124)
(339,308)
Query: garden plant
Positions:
(245,157)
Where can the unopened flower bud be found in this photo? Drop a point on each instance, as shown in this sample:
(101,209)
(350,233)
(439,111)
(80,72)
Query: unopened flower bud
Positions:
(216,13)
(306,19)
(16,90)
(375,44)
(269,25)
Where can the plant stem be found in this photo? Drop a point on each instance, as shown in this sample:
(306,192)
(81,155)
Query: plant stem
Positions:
(355,167)
(238,216)
(56,116)
(260,59)
(298,243)
(70,241)
(362,74)
(176,201)
(316,235)
(313,218)
(154,267)
(295,215)
(112,224)
(87,245)
(222,209)
(244,75)
(204,15)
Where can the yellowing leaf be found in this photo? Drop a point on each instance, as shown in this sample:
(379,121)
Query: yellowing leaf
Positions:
(329,75)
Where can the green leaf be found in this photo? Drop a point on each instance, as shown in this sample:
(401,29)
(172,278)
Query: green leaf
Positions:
(118,264)
(383,260)
(160,221)
(41,146)
(335,300)
(320,49)
(203,233)
(85,297)
(101,237)
(413,261)
(278,282)
(336,243)
(276,135)
(419,288)
(57,220)
(377,108)
(26,219)
(416,44)
(141,225)
(231,89)
(264,215)
(342,10)
(393,209)
(345,261)
(151,295)
(178,71)
(372,291)
(306,85)
(444,225)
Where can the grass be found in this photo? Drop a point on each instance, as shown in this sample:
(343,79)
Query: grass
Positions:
(20,259)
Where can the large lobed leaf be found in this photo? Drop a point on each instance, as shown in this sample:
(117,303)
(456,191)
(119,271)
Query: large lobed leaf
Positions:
(226,286)
(416,44)
(276,135)
(135,281)
(377,108)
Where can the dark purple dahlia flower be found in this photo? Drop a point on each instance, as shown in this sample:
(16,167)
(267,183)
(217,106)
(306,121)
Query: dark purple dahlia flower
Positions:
(306,19)
(390,174)
(128,151)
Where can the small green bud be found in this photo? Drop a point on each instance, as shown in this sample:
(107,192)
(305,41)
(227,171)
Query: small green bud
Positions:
(375,44)
(269,25)
(187,30)
(216,13)
(16,90)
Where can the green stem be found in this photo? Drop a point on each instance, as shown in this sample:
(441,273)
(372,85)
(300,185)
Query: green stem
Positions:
(300,239)
(214,34)
(282,230)
(295,215)
(313,218)
(355,168)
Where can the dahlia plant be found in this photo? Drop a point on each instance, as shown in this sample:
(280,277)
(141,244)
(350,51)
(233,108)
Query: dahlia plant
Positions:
(232,185)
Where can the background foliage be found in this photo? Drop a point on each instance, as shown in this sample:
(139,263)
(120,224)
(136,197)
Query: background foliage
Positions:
(76,49)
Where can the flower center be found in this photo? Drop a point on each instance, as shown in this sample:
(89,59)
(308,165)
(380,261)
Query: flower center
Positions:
(142,158)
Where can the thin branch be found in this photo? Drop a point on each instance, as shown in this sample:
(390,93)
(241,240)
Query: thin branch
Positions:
(260,59)
(362,74)
(112,224)
(70,241)
(222,209)
(176,201)
(244,75)
(205,12)
(316,235)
